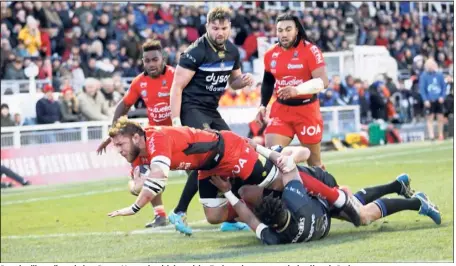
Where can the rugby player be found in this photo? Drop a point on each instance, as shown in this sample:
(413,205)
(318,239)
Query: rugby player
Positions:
(203,72)
(295,215)
(153,86)
(213,153)
(295,70)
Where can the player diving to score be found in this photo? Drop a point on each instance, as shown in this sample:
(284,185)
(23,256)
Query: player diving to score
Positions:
(212,153)
(296,216)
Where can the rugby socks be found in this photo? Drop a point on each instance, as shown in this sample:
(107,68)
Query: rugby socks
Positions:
(367,195)
(317,188)
(190,189)
(390,206)
(159,211)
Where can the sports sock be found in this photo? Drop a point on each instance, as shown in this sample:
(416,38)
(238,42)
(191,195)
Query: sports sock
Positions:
(315,187)
(370,194)
(390,206)
(159,211)
(190,189)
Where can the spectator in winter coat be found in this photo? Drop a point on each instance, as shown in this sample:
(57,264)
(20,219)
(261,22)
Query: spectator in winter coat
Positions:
(433,91)
(47,110)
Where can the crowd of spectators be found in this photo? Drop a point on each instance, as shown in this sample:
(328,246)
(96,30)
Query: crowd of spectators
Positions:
(85,48)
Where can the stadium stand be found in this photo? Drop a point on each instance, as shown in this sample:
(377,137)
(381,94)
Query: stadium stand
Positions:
(73,41)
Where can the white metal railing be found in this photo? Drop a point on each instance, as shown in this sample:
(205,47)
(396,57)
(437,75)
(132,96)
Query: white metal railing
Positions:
(337,120)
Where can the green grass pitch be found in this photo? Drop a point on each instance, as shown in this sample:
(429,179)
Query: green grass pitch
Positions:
(69,223)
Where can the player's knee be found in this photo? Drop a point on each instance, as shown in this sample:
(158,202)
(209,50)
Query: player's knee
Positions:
(214,215)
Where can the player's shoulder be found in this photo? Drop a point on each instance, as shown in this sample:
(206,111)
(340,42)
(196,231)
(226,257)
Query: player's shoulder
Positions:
(169,70)
(272,52)
(230,47)
(138,79)
(198,45)
(308,46)
(273,49)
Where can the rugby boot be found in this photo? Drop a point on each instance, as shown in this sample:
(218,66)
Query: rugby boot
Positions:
(406,190)
(157,222)
(233,227)
(351,209)
(428,208)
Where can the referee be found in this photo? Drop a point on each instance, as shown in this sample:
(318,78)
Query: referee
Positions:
(200,80)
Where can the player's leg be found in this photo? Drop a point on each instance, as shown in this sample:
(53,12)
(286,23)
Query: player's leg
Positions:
(438,110)
(196,119)
(219,124)
(278,133)
(309,130)
(401,186)
(384,207)
(430,121)
(159,211)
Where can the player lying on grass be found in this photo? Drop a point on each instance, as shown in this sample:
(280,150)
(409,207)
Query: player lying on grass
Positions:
(212,153)
(295,215)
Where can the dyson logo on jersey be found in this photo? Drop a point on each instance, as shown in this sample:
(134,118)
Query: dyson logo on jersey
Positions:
(215,80)
(301,227)
(160,112)
(289,81)
(295,66)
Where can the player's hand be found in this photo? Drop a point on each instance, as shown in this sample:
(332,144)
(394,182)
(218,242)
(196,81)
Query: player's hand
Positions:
(176,122)
(103,145)
(122,212)
(247,80)
(286,163)
(287,92)
(261,115)
(427,104)
(221,183)
(441,100)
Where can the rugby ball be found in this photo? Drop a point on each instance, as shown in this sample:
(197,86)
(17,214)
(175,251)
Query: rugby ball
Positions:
(140,174)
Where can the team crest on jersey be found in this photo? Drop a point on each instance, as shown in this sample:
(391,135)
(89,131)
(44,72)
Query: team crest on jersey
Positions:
(221,54)
(164,83)
(222,65)
(143,84)
(206,126)
(273,63)
(143,93)
(295,54)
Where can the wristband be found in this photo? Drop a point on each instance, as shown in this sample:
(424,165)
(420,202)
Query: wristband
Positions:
(260,229)
(231,198)
(176,122)
(263,151)
(135,208)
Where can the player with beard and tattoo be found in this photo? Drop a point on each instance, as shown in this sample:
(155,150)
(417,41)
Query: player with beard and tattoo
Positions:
(203,72)
(153,86)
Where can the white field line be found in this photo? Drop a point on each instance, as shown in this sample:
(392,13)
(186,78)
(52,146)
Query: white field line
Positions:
(169,229)
(88,193)
(341,161)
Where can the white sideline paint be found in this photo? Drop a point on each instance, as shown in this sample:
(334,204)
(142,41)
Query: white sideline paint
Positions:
(341,161)
(160,230)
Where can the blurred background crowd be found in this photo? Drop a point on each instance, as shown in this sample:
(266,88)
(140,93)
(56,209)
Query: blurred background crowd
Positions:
(87,50)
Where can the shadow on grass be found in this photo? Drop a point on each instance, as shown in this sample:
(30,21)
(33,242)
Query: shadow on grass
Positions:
(244,245)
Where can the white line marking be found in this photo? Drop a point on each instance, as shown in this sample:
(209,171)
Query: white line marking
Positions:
(88,193)
(363,159)
(169,229)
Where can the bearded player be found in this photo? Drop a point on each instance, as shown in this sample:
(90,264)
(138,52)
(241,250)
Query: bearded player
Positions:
(213,153)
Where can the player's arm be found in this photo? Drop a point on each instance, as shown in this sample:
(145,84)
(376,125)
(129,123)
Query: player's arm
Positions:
(189,63)
(319,81)
(300,154)
(122,108)
(238,80)
(265,234)
(267,88)
(182,77)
